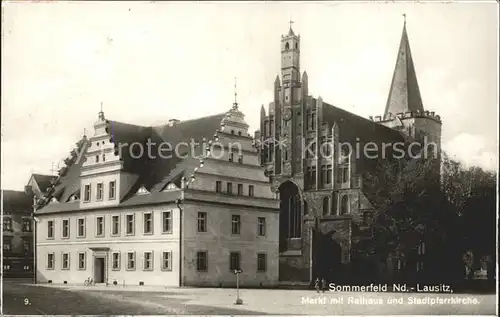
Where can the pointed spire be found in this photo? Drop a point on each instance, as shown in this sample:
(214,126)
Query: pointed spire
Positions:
(404,94)
(235,104)
(290,31)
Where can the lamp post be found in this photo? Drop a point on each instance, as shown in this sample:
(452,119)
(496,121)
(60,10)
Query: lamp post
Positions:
(239,301)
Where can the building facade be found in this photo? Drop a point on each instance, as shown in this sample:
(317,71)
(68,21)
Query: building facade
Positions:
(17,237)
(323,203)
(284,205)
(191,217)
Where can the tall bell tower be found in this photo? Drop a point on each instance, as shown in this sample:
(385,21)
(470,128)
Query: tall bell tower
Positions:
(290,57)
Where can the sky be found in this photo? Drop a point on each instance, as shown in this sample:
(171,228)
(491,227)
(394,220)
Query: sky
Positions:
(150,62)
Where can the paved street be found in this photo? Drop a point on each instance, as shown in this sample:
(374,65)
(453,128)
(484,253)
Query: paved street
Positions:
(28,299)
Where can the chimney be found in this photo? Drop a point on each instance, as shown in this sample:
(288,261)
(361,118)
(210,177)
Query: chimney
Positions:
(173,122)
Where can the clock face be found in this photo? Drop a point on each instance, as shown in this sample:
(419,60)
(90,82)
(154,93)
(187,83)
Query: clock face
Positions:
(287,114)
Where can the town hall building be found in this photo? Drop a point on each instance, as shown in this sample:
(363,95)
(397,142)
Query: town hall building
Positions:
(228,201)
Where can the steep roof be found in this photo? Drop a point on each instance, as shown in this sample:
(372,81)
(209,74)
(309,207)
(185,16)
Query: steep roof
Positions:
(43,181)
(404,94)
(151,171)
(16,201)
(358,130)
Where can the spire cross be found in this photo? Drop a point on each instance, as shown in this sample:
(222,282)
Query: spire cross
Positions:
(101,106)
(404,17)
(291,22)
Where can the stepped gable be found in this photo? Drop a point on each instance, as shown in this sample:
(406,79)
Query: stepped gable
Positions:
(152,173)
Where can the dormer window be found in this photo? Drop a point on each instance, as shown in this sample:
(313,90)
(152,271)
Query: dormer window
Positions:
(171,186)
(53,200)
(142,191)
(73,198)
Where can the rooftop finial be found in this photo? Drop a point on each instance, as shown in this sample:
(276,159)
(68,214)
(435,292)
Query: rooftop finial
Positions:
(101,113)
(291,22)
(235,104)
(84,132)
(404,17)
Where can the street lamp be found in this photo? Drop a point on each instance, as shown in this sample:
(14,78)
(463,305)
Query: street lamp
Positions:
(239,301)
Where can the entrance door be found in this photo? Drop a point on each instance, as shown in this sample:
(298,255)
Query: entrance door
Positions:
(326,257)
(99,270)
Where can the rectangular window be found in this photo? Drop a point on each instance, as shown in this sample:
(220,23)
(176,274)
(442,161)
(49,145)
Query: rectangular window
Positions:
(115,261)
(344,172)
(131,261)
(166,261)
(82,256)
(240,159)
(235,224)
(112,190)
(202,222)
(261,262)
(50,229)
(65,228)
(201,261)
(148,261)
(229,188)
(86,193)
(27,245)
(115,225)
(234,261)
(250,190)
(7,224)
(130,224)
(50,261)
(167,222)
(100,226)
(148,223)
(7,244)
(27,225)
(99,191)
(231,155)
(261,230)
(81,227)
(240,189)
(65,261)
(218,186)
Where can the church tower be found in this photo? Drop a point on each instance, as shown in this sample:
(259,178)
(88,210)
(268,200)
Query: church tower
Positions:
(404,109)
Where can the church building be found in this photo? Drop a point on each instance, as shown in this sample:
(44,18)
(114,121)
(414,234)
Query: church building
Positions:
(323,203)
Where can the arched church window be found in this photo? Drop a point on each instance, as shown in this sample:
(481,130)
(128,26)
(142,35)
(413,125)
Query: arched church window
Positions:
(326,207)
(344,205)
(239,133)
(333,209)
(296,45)
(287,46)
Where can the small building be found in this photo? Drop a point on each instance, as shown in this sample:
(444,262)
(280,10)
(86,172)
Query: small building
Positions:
(17,237)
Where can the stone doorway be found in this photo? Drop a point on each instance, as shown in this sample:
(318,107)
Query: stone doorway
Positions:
(326,256)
